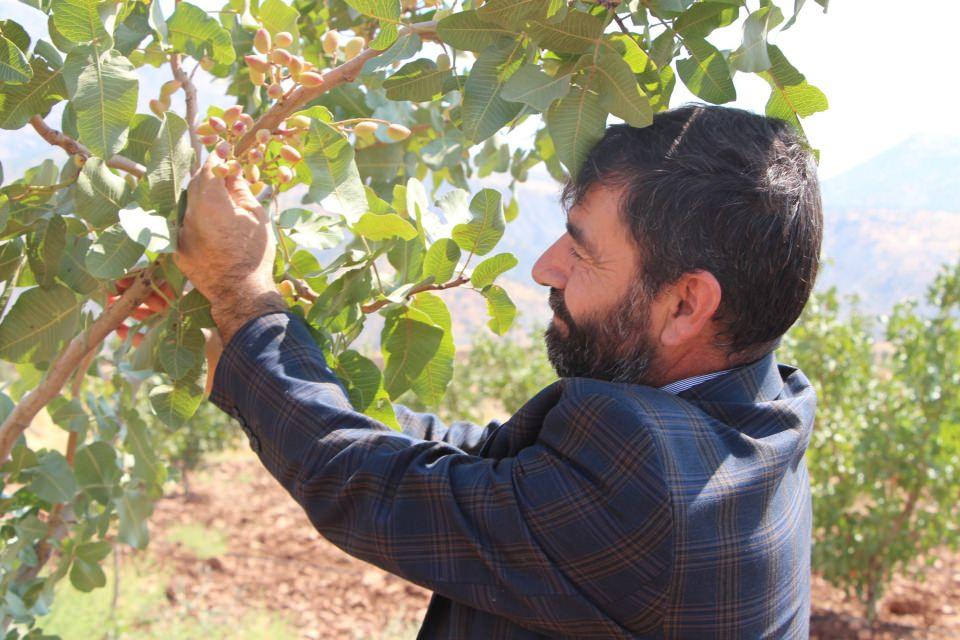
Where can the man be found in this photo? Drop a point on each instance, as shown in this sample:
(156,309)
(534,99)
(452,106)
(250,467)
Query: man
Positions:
(658,489)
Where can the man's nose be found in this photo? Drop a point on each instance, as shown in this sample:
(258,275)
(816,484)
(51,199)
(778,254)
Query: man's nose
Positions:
(550,269)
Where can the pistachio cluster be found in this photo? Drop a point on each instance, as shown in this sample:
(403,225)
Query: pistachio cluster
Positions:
(272,58)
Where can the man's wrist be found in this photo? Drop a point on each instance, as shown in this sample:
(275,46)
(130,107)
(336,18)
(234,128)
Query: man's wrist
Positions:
(231,312)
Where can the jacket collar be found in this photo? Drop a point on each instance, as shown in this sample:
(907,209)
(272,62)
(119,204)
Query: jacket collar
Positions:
(759,381)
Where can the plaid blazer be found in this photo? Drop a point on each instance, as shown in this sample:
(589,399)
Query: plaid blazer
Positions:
(598,510)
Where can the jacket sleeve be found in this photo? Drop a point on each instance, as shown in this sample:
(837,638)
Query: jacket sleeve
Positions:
(538,538)
(466,436)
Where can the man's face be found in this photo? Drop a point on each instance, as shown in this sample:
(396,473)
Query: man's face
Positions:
(601,323)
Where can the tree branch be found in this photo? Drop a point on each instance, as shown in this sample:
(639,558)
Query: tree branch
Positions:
(374,306)
(190,93)
(299,97)
(70,358)
(71,146)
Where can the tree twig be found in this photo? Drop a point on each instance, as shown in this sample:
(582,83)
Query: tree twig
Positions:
(190,97)
(374,306)
(71,146)
(70,358)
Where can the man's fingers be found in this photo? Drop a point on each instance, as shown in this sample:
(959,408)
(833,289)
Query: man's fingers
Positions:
(239,190)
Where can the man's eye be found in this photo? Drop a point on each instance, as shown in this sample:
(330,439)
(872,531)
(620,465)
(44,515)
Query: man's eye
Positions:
(574,253)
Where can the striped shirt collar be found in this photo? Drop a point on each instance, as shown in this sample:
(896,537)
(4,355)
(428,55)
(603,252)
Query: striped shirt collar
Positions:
(688,383)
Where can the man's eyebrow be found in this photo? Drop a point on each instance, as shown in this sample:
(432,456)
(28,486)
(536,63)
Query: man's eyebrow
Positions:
(581,238)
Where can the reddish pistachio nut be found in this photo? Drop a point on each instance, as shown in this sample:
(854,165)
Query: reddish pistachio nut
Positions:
(252,173)
(257,78)
(220,170)
(284,39)
(275,91)
(255,156)
(290,154)
(169,88)
(353,47)
(246,119)
(230,115)
(224,149)
(331,42)
(284,174)
(365,130)
(218,124)
(261,40)
(239,127)
(257,62)
(298,122)
(398,132)
(233,168)
(157,107)
(311,79)
(209,140)
(205,129)
(207,63)
(295,66)
(286,289)
(256,188)
(281,57)
(263,136)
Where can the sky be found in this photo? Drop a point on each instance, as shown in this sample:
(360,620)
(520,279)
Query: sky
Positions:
(886,73)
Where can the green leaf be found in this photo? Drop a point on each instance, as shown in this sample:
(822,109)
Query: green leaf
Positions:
(419,81)
(752,56)
(484,109)
(52,479)
(408,345)
(150,231)
(86,573)
(701,19)
(19,102)
(380,227)
(488,270)
(39,322)
(511,14)
(112,254)
(138,442)
(380,162)
(334,179)
(432,383)
(100,194)
(181,350)
(791,96)
(531,86)
(194,32)
(441,260)
(619,92)
(465,30)
(706,73)
(133,507)
(11,252)
(143,132)
(14,67)
(80,20)
(486,226)
(45,248)
(103,89)
(169,163)
(277,16)
(388,12)
(96,469)
(364,385)
(576,123)
(576,33)
(175,404)
(73,271)
(16,34)
(501,309)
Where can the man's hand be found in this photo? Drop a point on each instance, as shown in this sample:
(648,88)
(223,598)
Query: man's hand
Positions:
(226,248)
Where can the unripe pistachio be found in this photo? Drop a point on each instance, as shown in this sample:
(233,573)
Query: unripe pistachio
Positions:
(78,159)
(365,130)
(204,129)
(311,79)
(257,78)
(290,154)
(246,119)
(220,170)
(218,124)
(256,188)
(130,180)
(295,66)
(398,132)
(263,136)
(353,47)
(331,42)
(281,57)
(443,62)
(207,63)
(255,155)
(261,40)
(286,289)
(231,114)
(284,39)
(408,5)
(257,62)
(298,122)
(275,91)
(157,107)
(252,173)
(239,127)
(224,149)
(295,140)
(209,140)
(169,88)
(233,168)
(284,174)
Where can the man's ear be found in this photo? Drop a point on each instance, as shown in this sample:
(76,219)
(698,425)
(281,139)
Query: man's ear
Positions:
(693,300)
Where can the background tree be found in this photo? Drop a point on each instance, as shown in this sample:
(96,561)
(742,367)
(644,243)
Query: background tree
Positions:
(380,112)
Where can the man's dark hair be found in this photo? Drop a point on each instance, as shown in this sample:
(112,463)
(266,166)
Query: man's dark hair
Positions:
(726,191)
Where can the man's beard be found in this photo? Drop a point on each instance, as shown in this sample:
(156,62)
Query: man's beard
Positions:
(614,347)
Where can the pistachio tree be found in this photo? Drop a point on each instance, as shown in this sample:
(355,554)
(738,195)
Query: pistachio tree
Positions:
(376,118)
